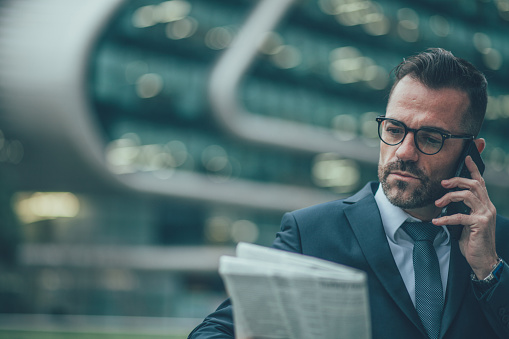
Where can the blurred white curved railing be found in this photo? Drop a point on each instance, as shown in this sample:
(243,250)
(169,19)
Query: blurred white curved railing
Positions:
(45,48)
(224,86)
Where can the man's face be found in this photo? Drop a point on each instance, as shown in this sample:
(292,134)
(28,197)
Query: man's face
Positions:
(411,179)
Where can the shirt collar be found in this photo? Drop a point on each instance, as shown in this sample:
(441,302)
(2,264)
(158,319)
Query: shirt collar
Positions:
(393,217)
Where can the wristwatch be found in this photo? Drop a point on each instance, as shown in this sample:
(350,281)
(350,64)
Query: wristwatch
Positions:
(492,278)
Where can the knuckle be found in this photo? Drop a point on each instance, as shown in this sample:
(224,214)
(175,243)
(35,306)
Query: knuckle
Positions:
(484,219)
(469,194)
(475,185)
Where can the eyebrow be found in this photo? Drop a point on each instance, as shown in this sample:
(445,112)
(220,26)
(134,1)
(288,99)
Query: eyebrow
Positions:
(428,127)
(436,128)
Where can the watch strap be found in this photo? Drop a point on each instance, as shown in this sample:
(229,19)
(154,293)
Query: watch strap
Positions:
(491,280)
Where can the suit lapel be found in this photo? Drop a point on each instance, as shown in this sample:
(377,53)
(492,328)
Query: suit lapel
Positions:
(457,285)
(366,223)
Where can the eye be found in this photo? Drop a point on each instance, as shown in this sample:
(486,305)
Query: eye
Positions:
(430,138)
(394,129)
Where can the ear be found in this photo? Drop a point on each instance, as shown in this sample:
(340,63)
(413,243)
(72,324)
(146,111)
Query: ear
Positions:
(480,144)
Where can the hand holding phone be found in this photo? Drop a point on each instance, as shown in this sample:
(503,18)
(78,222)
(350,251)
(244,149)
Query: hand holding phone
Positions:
(462,171)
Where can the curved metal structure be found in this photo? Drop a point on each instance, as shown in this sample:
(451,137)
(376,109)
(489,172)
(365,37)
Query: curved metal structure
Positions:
(226,79)
(45,49)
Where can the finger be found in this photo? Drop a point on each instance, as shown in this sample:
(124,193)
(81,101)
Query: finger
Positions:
(466,196)
(458,182)
(467,220)
(455,219)
(478,187)
(474,170)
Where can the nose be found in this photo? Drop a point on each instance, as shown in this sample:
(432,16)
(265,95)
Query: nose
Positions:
(407,150)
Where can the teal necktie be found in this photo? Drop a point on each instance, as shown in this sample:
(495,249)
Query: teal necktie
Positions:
(429,297)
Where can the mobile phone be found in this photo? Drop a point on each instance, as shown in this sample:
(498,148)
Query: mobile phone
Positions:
(462,171)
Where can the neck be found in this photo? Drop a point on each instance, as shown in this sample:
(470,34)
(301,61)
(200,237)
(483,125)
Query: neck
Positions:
(424,213)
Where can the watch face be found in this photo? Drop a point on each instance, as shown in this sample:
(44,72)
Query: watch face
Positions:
(489,278)
(492,278)
(484,281)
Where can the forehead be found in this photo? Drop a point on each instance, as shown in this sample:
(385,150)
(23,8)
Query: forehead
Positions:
(417,105)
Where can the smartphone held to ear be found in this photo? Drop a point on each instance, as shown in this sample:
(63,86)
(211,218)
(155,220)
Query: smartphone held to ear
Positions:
(462,171)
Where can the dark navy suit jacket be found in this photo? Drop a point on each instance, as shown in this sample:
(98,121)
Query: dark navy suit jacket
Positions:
(350,232)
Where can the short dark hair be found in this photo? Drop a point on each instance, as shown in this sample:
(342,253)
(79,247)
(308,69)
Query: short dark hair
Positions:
(437,68)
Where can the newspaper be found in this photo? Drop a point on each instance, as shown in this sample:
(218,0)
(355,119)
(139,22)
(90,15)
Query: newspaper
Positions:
(277,294)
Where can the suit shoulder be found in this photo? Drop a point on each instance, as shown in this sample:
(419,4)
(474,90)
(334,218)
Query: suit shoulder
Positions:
(319,209)
(367,192)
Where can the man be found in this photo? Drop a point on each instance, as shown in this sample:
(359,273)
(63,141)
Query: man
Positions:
(436,106)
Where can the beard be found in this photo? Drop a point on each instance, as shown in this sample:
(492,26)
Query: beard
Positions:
(423,195)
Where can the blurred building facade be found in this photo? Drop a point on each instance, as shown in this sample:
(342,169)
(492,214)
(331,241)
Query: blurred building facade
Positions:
(124,208)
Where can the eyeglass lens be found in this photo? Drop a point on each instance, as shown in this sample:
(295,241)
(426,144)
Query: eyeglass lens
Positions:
(428,141)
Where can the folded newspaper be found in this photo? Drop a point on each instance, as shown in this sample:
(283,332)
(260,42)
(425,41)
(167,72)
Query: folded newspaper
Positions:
(277,294)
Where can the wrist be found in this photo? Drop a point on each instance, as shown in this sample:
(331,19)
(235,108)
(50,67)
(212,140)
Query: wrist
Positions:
(492,276)
(485,271)
(486,284)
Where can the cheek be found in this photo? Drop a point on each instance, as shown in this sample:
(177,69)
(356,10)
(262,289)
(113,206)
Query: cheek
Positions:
(447,162)
(444,169)
(386,153)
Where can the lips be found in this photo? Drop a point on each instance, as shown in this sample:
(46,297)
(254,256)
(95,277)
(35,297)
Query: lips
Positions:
(404,175)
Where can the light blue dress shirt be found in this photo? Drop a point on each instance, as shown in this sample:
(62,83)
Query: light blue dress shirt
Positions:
(402,245)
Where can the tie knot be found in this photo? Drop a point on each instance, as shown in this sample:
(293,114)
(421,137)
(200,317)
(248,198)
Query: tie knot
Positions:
(421,231)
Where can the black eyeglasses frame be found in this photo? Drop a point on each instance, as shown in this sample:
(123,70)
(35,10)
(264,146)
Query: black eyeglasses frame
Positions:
(445,136)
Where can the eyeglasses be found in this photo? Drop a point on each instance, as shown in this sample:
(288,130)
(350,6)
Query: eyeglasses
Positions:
(428,140)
